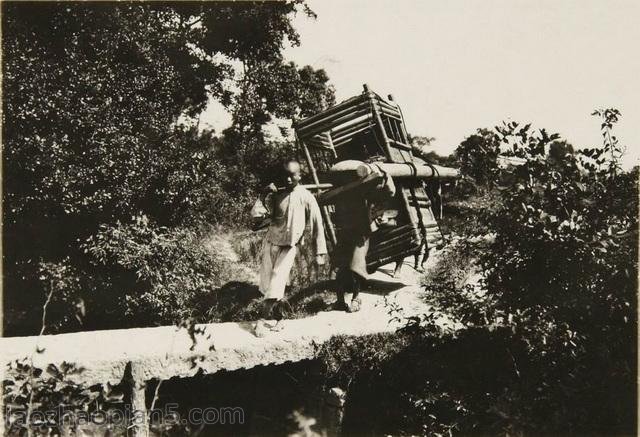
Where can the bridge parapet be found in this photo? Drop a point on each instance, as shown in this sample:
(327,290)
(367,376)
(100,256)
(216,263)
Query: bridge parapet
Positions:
(165,352)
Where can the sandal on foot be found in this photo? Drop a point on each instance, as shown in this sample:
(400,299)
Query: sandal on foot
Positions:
(259,329)
(279,326)
(355,305)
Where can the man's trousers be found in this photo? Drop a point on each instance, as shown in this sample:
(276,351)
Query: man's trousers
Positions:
(277,262)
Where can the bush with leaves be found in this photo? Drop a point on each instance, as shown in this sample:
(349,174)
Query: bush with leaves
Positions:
(135,274)
(48,402)
(560,272)
(544,287)
(91,106)
(477,157)
(152,275)
(193,186)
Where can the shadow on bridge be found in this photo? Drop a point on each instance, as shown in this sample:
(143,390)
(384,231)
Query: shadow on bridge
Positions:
(240,301)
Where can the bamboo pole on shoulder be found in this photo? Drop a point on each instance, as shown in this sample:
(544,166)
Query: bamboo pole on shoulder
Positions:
(407,170)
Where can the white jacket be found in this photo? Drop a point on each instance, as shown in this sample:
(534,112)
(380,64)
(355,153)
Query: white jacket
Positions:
(302,207)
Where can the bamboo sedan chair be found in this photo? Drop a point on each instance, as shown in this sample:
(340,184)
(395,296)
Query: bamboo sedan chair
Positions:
(368,129)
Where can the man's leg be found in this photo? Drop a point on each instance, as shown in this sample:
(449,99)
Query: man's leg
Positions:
(259,327)
(398,268)
(269,309)
(358,282)
(266,267)
(358,270)
(275,282)
(342,285)
(416,257)
(425,256)
(278,312)
(348,282)
(283,258)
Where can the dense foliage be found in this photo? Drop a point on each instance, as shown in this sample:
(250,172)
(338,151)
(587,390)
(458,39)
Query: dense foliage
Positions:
(477,157)
(100,119)
(560,271)
(543,283)
(172,272)
(108,184)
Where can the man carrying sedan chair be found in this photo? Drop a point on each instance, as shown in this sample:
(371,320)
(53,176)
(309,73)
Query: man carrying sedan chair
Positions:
(357,216)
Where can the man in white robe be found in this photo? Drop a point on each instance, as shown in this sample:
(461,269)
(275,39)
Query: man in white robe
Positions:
(290,208)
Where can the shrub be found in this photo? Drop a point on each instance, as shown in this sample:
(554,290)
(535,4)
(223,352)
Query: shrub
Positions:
(153,275)
(416,383)
(46,402)
(477,157)
(548,337)
(92,105)
(560,273)
(141,274)
(192,187)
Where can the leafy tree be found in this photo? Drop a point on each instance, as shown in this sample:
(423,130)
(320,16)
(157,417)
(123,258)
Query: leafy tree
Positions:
(558,151)
(92,96)
(421,142)
(284,92)
(546,342)
(559,275)
(478,157)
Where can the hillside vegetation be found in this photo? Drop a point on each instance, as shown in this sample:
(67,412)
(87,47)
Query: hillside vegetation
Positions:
(119,211)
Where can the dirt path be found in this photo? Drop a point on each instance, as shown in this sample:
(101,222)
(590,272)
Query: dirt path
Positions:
(219,243)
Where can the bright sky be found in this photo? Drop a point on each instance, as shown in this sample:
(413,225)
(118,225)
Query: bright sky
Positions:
(455,66)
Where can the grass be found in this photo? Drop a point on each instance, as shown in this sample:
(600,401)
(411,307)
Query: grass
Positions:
(311,290)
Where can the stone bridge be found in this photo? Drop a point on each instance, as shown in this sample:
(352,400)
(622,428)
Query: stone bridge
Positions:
(165,352)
